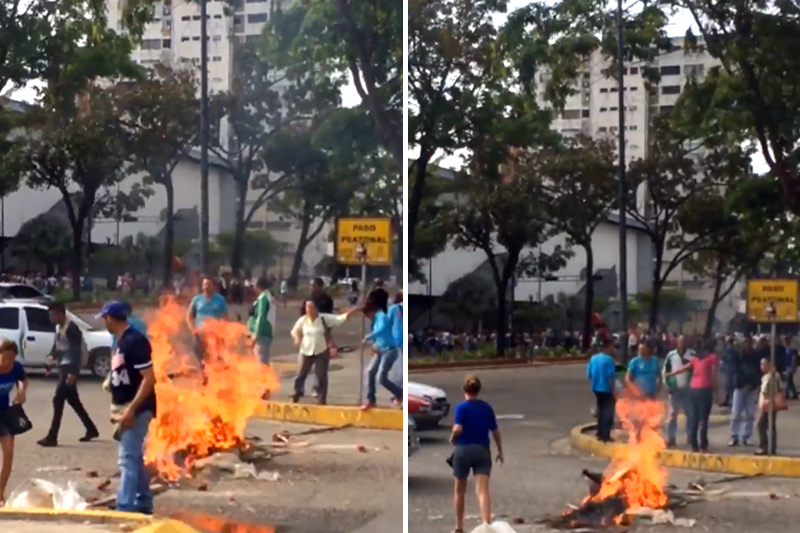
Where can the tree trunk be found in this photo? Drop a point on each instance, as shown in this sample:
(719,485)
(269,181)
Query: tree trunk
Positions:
(237,252)
(420,169)
(77,261)
(169,235)
(502,297)
(655,292)
(299,251)
(712,309)
(588,303)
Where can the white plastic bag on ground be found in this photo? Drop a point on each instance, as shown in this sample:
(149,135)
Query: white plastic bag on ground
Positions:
(495,527)
(41,494)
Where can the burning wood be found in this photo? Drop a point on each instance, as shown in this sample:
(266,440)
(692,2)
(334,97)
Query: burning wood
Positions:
(631,482)
(199,417)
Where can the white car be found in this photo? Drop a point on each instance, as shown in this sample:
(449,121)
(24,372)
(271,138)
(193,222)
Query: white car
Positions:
(28,324)
(435,408)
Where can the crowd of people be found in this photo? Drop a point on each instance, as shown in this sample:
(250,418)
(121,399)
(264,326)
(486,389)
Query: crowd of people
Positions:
(131,381)
(694,378)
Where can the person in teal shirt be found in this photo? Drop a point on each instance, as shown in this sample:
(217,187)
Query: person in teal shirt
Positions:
(601,373)
(208,304)
(644,372)
(386,354)
(261,323)
(396,317)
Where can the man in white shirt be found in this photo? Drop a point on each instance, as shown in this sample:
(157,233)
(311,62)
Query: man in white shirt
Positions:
(678,386)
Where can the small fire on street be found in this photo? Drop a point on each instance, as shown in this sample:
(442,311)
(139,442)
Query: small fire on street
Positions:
(633,481)
(198,417)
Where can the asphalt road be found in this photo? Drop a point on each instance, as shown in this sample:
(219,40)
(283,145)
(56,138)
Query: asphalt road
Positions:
(536,409)
(334,490)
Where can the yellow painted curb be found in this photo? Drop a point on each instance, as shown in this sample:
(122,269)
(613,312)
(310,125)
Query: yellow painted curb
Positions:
(332,415)
(144,524)
(743,465)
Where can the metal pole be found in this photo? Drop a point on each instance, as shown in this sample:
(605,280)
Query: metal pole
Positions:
(772,390)
(622,192)
(204,137)
(3,231)
(430,292)
(363,334)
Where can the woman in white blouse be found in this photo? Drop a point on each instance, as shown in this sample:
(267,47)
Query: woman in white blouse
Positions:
(311,335)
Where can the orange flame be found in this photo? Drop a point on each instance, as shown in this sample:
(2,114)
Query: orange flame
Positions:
(636,475)
(194,417)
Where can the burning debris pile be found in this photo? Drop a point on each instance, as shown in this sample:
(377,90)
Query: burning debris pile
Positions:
(199,415)
(633,481)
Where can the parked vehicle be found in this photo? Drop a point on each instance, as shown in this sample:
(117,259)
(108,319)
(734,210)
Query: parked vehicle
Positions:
(21,291)
(28,324)
(413,439)
(427,405)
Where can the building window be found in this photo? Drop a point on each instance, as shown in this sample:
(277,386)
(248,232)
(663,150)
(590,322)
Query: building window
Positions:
(695,70)
(257,18)
(256,1)
(602,129)
(666,109)
(584,113)
(195,17)
(634,70)
(196,38)
(217,17)
(633,88)
(216,38)
(151,44)
(186,18)
(238,23)
(603,90)
(612,90)
(216,59)
(670,70)
(166,43)
(613,109)
(633,128)
(671,89)
(571,114)
(185,39)
(603,109)
(632,108)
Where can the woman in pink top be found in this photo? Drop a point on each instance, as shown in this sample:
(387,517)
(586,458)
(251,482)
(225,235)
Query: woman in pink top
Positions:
(702,386)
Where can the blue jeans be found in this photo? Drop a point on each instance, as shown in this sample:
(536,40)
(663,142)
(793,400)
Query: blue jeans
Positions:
(743,409)
(379,368)
(678,400)
(134,494)
(262,349)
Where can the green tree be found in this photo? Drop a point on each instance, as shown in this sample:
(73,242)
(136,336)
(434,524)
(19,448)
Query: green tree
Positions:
(360,40)
(754,88)
(79,151)
(580,186)
(266,96)
(160,116)
(43,241)
(675,173)
(260,247)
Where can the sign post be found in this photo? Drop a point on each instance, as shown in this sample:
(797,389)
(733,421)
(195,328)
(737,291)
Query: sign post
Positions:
(772,301)
(361,251)
(363,241)
(771,313)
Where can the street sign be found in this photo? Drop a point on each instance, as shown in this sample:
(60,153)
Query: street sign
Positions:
(354,234)
(766,297)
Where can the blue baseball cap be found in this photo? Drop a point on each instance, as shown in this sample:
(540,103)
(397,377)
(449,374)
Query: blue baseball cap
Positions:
(115,309)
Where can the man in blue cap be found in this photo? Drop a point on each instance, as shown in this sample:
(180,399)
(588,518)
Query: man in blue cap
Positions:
(133,396)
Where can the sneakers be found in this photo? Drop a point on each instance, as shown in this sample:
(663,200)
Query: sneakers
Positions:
(367,406)
(733,443)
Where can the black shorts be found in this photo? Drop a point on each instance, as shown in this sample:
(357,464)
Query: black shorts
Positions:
(473,458)
(5,427)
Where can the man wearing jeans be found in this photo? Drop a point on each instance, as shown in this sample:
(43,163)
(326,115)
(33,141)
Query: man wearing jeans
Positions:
(132,394)
(678,387)
(747,379)
(385,356)
(601,373)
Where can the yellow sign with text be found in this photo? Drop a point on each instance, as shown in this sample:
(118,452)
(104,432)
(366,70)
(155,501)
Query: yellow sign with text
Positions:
(765,293)
(374,233)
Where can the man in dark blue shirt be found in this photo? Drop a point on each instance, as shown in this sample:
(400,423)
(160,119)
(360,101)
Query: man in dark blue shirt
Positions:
(133,397)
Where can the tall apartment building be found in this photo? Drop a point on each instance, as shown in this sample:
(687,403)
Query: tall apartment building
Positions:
(173,38)
(594,110)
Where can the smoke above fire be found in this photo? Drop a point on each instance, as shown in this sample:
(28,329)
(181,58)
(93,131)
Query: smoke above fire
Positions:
(197,416)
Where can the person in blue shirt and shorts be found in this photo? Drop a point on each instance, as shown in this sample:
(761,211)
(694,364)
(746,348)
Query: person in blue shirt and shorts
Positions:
(474,421)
